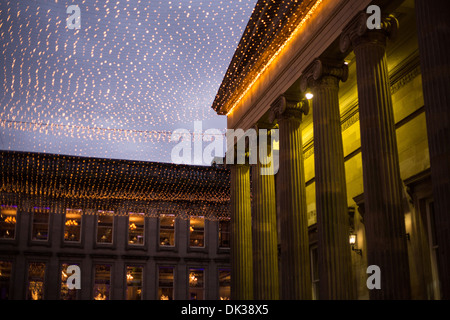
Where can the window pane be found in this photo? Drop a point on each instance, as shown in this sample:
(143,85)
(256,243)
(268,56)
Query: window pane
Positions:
(197,231)
(165,283)
(40,223)
(36,278)
(134,283)
(136,227)
(72,228)
(196,284)
(66,293)
(8,222)
(5,279)
(315,272)
(167,230)
(224,233)
(105,225)
(102,282)
(224,284)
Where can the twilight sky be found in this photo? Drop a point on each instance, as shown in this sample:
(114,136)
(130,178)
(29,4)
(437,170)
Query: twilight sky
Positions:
(117,87)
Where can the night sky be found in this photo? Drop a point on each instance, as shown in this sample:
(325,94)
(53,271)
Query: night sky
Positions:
(118,86)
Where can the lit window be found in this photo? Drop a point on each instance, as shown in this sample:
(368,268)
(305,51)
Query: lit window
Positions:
(136,226)
(165,283)
(224,284)
(167,230)
(5,279)
(102,282)
(72,226)
(134,283)
(41,218)
(197,232)
(196,284)
(66,293)
(105,226)
(8,222)
(224,233)
(36,279)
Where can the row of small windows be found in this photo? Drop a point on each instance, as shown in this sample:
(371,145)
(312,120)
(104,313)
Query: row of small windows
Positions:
(105,227)
(101,290)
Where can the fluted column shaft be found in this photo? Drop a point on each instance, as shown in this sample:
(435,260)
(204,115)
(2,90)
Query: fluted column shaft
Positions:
(434,47)
(335,272)
(291,194)
(384,218)
(241,234)
(264,227)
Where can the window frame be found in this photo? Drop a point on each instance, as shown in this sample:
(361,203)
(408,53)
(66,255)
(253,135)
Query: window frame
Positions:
(144,232)
(203,288)
(175,222)
(189,232)
(69,263)
(44,280)
(113,233)
(47,241)
(111,278)
(81,226)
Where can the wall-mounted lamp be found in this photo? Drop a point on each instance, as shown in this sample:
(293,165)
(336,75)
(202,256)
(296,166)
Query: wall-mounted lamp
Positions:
(352,241)
(309,95)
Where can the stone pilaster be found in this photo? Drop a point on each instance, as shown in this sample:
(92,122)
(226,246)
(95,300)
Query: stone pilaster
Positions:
(291,194)
(434,48)
(335,272)
(264,227)
(384,218)
(241,234)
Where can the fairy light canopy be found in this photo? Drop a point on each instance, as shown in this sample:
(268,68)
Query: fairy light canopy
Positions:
(42,181)
(118,86)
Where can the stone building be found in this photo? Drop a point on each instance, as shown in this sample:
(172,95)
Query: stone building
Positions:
(363,113)
(137,230)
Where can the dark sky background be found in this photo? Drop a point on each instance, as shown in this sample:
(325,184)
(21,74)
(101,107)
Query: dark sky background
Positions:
(116,88)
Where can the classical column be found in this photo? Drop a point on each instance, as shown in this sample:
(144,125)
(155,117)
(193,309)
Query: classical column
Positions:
(291,194)
(241,234)
(264,227)
(434,48)
(385,222)
(335,272)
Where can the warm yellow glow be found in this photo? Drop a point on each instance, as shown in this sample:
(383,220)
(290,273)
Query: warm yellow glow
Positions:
(71,223)
(281,49)
(192,279)
(352,239)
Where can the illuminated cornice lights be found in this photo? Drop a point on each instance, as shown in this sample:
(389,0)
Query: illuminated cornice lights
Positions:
(288,41)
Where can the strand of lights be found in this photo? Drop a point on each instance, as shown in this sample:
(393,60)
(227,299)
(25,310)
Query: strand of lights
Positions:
(276,54)
(96,132)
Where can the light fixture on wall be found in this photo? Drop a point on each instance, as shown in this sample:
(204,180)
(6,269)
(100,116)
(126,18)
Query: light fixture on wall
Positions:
(309,95)
(352,241)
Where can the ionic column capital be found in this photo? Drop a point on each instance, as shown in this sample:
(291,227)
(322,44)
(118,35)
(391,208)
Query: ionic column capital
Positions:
(323,73)
(357,33)
(283,108)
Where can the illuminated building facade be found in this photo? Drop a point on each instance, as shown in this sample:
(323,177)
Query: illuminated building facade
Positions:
(364,175)
(137,230)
